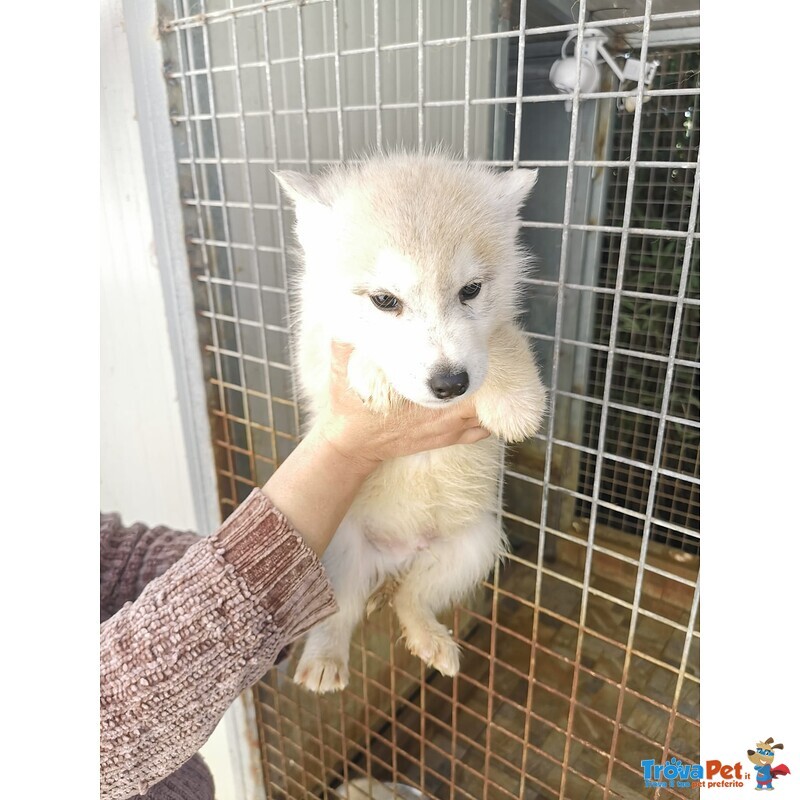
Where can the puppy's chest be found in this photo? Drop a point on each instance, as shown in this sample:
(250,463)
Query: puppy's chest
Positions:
(410,502)
(399,548)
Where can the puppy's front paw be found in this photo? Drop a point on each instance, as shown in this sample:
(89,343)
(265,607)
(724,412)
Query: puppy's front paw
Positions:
(515,415)
(321,675)
(369,382)
(512,401)
(435,647)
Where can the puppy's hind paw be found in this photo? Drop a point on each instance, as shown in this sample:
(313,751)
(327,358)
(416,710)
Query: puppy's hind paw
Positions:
(436,648)
(322,675)
(382,596)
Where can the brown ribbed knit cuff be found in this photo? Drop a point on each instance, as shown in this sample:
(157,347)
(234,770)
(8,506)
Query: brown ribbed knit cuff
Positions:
(279,568)
(192,781)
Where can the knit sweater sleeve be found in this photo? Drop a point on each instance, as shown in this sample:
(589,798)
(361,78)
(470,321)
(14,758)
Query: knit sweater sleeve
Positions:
(173,660)
(132,556)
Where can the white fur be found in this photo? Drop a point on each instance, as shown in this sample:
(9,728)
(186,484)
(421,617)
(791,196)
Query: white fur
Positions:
(419,227)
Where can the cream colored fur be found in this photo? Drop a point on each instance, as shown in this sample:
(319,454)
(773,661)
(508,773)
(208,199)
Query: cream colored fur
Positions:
(424,527)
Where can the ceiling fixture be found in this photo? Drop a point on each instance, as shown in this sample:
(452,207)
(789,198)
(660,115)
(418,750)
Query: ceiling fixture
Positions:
(564,72)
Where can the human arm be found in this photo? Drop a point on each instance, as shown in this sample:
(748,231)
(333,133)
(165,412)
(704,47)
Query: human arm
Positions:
(174,660)
(132,556)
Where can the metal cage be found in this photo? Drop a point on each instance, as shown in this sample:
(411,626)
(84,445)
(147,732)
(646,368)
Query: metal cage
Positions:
(581,652)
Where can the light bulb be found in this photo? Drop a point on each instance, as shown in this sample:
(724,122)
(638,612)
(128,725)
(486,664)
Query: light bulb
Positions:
(563,75)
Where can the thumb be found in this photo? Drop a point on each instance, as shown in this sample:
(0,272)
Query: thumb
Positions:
(340,357)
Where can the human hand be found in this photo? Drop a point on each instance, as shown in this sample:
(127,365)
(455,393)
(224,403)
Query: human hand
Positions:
(368,438)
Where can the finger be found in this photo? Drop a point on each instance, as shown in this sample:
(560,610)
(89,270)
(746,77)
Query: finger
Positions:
(469,436)
(472,435)
(340,354)
(437,423)
(466,408)
(459,411)
(340,357)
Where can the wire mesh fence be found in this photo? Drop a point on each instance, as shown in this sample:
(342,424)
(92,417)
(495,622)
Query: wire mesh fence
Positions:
(581,651)
(670,129)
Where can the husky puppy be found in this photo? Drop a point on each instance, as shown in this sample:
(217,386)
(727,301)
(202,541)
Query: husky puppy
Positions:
(413,260)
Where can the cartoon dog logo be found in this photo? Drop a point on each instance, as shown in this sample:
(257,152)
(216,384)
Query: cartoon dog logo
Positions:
(762,757)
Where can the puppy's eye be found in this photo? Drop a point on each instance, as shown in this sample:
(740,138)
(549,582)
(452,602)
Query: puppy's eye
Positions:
(385,301)
(469,291)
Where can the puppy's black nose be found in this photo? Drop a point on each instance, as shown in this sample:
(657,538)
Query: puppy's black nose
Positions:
(449,384)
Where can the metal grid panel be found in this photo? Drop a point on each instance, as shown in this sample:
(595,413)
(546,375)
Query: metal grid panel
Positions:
(662,199)
(581,652)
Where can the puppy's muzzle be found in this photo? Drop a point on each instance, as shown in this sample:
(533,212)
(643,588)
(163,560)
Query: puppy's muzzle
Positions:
(449,384)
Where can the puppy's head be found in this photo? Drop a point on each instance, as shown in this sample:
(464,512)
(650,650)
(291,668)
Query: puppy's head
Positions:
(414,260)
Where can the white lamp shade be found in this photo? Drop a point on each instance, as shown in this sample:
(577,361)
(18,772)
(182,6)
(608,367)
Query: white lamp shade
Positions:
(564,71)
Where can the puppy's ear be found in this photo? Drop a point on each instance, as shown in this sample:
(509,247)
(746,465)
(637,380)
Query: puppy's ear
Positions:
(301,187)
(312,206)
(514,186)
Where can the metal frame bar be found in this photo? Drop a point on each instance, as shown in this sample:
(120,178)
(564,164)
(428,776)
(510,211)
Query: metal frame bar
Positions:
(162,181)
(245,10)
